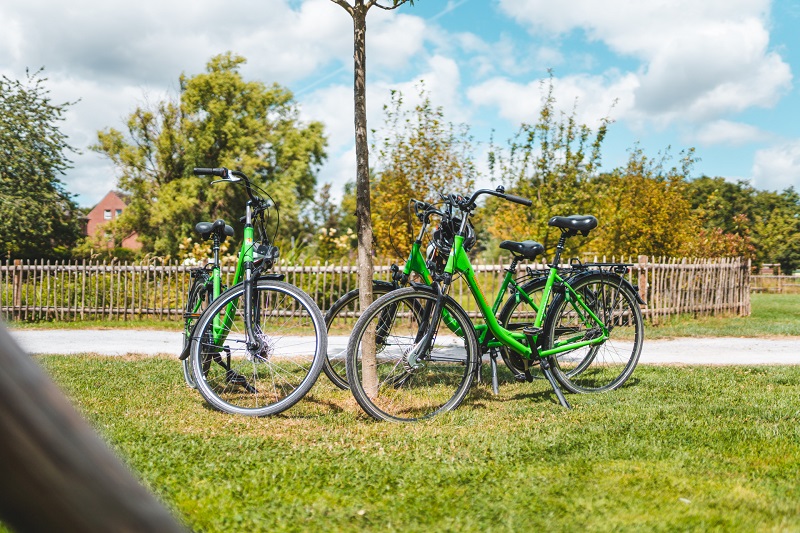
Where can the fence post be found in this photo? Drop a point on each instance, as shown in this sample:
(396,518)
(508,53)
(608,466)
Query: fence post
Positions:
(642,278)
(17,289)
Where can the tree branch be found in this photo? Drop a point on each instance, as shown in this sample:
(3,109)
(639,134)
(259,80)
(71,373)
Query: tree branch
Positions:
(397,3)
(347,7)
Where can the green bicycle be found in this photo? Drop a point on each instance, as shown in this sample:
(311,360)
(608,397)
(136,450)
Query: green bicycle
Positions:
(519,310)
(206,287)
(402,366)
(259,346)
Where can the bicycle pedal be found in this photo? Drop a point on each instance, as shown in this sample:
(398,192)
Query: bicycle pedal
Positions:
(520,377)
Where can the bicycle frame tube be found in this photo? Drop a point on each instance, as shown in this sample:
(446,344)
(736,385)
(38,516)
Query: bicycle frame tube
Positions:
(458,263)
(578,304)
(416,264)
(245,256)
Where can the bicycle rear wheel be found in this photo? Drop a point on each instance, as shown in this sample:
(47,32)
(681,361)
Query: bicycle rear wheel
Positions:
(340,320)
(393,387)
(600,367)
(197,301)
(238,378)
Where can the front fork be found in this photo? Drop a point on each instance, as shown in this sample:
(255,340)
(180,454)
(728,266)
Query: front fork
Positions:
(255,341)
(431,319)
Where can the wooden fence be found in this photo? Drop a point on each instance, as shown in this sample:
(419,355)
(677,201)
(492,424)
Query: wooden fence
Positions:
(43,290)
(774,283)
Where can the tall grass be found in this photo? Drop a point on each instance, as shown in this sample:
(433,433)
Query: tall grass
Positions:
(678,448)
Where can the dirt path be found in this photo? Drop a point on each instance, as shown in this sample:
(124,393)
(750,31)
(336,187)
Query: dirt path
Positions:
(706,351)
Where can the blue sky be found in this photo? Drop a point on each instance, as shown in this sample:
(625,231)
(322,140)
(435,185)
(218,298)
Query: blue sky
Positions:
(717,75)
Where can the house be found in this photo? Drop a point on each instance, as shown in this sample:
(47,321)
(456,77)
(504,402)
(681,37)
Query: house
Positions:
(109,208)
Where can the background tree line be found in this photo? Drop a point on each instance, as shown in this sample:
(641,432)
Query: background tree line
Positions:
(650,205)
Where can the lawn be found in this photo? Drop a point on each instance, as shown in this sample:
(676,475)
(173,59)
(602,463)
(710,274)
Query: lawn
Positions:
(677,448)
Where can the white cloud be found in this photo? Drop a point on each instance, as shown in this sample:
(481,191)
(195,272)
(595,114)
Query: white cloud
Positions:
(333,106)
(726,132)
(111,54)
(778,167)
(699,60)
(595,96)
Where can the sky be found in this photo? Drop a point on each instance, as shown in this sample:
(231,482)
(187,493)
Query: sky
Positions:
(715,75)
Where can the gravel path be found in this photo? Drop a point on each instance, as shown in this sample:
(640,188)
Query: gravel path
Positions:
(705,351)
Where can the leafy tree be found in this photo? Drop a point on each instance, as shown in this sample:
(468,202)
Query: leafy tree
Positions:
(421,156)
(717,202)
(219,120)
(643,208)
(549,162)
(38,217)
(777,228)
(334,238)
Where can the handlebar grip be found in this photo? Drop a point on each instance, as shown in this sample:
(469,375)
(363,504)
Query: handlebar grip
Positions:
(219,172)
(518,200)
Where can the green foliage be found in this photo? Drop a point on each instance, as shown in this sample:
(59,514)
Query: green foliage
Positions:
(38,218)
(642,208)
(220,119)
(420,156)
(748,222)
(777,228)
(549,162)
(334,239)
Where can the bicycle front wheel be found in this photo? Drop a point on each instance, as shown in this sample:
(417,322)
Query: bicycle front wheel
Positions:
(391,377)
(260,376)
(340,320)
(598,367)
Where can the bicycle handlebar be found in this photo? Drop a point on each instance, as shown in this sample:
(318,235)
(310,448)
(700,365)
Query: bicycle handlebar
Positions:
(218,172)
(227,175)
(500,193)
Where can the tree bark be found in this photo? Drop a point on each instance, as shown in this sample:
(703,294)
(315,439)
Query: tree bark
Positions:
(57,473)
(363,208)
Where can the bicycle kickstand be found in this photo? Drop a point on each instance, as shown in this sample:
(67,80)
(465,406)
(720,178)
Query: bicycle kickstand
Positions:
(493,365)
(544,363)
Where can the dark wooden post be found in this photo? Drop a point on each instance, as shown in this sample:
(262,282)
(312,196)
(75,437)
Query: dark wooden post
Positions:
(57,473)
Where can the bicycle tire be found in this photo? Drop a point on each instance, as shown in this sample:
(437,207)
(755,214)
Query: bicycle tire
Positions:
(342,316)
(605,366)
(232,377)
(198,300)
(403,393)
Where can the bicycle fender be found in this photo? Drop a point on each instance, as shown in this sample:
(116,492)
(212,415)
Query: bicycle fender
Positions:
(622,281)
(274,277)
(386,284)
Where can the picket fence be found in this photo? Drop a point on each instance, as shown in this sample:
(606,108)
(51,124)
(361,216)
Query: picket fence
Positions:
(80,290)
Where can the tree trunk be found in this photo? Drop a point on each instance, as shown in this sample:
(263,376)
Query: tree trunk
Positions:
(363,209)
(57,474)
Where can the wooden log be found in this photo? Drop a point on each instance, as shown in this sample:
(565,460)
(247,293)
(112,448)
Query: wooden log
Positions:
(58,475)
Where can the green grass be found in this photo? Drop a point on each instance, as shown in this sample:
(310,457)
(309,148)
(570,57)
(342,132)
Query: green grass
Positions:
(143,323)
(772,315)
(678,448)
